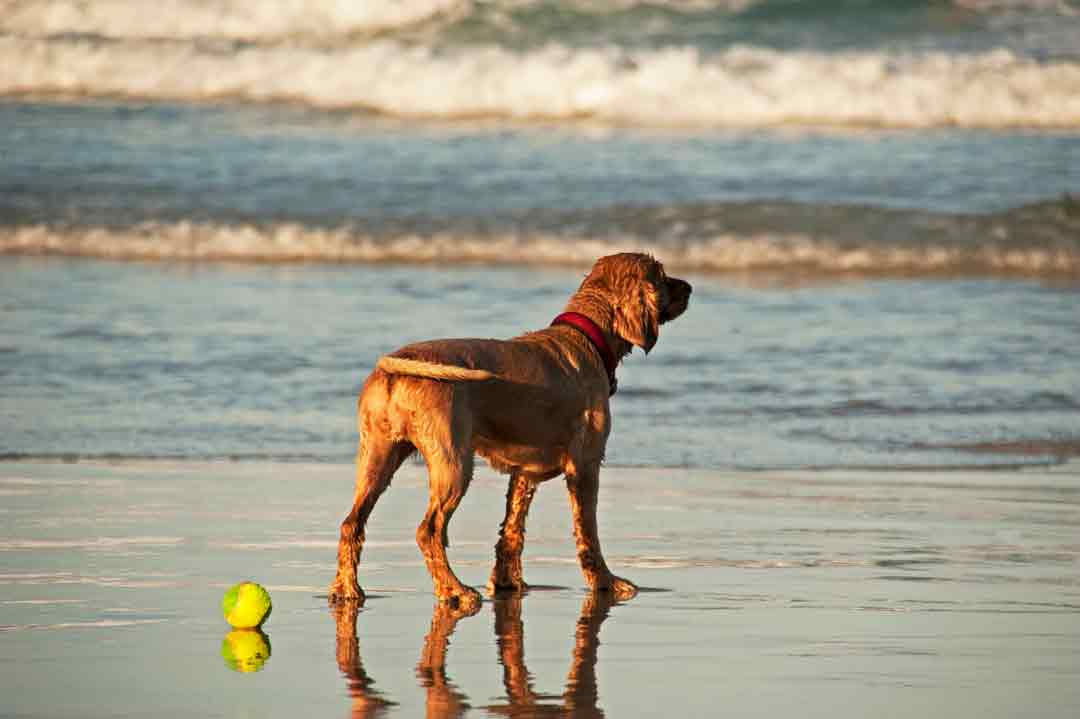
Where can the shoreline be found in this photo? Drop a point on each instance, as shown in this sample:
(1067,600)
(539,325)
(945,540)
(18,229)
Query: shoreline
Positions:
(1056,456)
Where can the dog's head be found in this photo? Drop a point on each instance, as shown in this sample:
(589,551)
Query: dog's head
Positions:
(641,295)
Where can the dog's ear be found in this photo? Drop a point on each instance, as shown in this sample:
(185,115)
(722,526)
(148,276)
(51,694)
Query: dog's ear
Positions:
(637,315)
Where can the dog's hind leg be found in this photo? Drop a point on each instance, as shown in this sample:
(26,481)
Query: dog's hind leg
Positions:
(378,459)
(507,572)
(450,468)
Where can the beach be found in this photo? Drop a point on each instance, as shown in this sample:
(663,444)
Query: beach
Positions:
(841,497)
(823,593)
(846,479)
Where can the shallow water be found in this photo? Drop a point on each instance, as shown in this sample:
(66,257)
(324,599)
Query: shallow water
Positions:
(272,183)
(874,201)
(154,360)
(919,138)
(833,593)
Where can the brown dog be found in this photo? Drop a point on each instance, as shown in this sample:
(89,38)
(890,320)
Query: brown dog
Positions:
(534,407)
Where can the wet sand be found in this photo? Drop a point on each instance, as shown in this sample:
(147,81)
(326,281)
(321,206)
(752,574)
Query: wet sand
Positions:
(813,593)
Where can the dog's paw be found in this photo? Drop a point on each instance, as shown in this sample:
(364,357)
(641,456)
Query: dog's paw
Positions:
(466,600)
(341,591)
(619,588)
(509,586)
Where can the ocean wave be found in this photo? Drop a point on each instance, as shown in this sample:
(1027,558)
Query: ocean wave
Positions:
(286,19)
(1039,240)
(1062,7)
(668,87)
(236,19)
(291,19)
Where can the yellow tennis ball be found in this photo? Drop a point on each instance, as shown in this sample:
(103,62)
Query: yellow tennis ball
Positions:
(245,650)
(246,605)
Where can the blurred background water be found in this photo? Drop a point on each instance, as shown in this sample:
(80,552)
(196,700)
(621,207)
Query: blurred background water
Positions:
(875,201)
(159,360)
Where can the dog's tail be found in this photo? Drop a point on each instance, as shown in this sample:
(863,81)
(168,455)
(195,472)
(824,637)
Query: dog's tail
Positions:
(431,370)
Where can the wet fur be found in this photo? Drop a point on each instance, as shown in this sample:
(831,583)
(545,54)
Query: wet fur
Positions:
(534,407)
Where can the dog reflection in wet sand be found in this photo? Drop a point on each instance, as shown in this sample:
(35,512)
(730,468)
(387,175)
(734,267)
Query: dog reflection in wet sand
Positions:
(535,407)
(367,701)
(444,700)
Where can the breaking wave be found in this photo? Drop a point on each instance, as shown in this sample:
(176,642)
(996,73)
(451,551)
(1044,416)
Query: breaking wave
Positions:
(1038,240)
(682,63)
(286,19)
(667,87)
(221,18)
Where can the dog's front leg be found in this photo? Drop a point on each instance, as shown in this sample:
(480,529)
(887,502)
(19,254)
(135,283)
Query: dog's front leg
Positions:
(584,484)
(507,572)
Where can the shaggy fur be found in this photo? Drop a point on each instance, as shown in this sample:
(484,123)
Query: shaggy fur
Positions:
(534,407)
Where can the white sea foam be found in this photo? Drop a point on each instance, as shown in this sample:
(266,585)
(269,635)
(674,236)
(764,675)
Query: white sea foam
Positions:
(281,19)
(238,19)
(288,242)
(679,86)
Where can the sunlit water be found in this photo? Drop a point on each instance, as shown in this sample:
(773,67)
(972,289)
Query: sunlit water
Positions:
(148,360)
(875,202)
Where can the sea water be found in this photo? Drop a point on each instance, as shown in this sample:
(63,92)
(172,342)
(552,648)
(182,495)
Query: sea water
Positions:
(873,201)
(727,135)
(115,360)
(845,478)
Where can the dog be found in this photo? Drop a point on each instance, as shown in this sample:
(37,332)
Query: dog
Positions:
(535,407)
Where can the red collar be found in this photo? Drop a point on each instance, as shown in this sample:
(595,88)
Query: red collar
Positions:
(588,328)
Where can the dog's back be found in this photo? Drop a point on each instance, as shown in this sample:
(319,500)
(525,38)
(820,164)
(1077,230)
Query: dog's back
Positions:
(521,397)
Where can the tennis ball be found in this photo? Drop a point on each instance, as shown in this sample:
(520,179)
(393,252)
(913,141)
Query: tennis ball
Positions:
(245,650)
(246,605)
